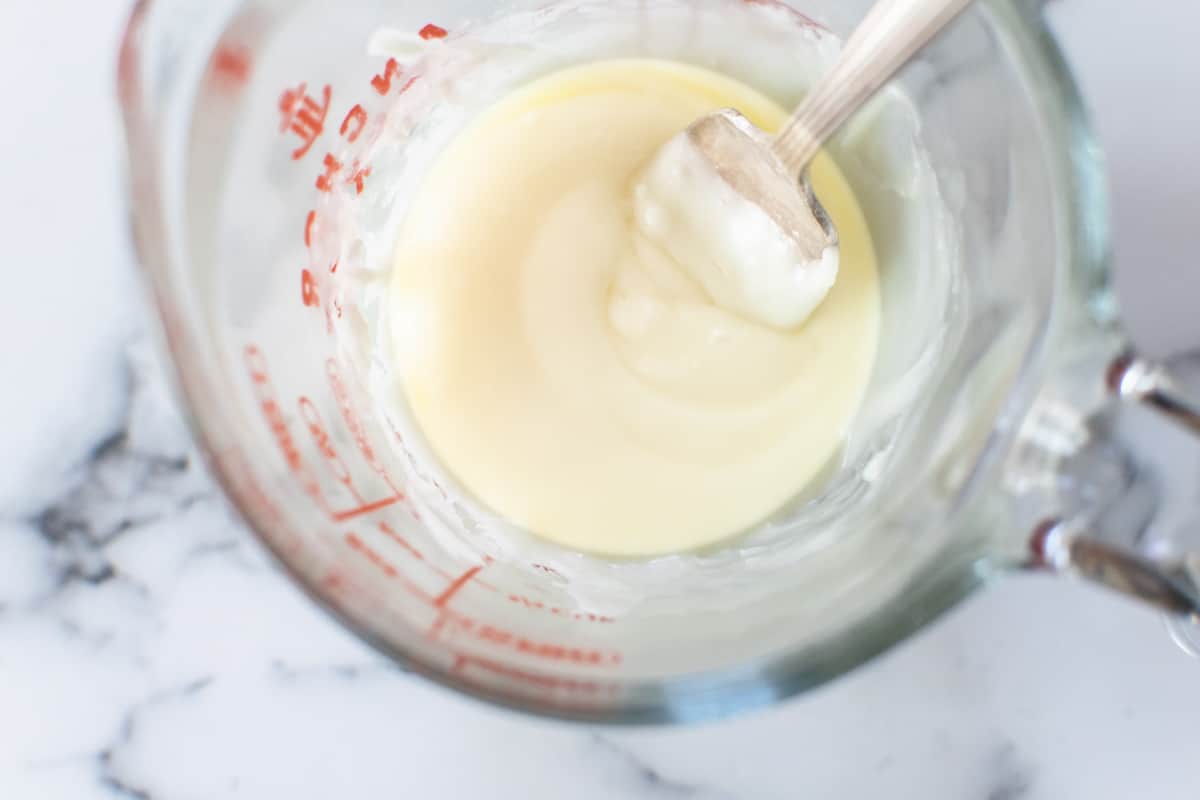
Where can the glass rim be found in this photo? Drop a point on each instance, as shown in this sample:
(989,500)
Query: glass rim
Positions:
(1081,205)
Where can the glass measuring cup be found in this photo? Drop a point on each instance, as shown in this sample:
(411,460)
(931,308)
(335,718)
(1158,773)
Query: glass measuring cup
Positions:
(272,149)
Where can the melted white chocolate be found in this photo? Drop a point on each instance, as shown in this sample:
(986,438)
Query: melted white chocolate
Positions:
(765,254)
(567,372)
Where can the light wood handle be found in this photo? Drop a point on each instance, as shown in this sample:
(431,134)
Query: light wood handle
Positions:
(891,33)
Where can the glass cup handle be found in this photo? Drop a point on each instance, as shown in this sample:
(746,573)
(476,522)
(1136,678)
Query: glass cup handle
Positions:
(1172,586)
(1138,380)
(1062,546)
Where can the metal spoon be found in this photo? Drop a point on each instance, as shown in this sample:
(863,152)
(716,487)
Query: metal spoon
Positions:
(888,37)
(784,261)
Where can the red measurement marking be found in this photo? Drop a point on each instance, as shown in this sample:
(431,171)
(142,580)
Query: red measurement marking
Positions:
(561,612)
(258,499)
(416,554)
(462,662)
(244,485)
(412,460)
(400,540)
(803,18)
(548,570)
(399,438)
(308,290)
(320,437)
(525,601)
(383,83)
(232,64)
(304,116)
(542,650)
(454,588)
(386,567)
(333,271)
(375,558)
(353,124)
(332,168)
(362,511)
(432,31)
(264,391)
(353,424)
(435,630)
(358,177)
(308,228)
(489,634)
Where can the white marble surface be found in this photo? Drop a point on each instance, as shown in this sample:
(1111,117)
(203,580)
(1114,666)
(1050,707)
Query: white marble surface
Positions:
(147,650)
